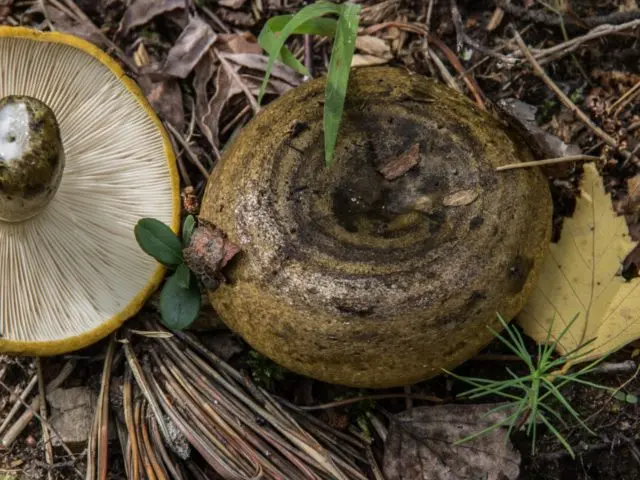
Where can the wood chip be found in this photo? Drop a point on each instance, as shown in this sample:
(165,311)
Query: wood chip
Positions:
(398,166)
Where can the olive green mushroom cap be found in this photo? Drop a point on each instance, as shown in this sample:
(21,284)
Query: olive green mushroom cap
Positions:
(82,158)
(357,275)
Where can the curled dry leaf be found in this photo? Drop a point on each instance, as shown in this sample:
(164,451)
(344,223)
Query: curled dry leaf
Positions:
(420,445)
(142,11)
(192,44)
(581,277)
(395,167)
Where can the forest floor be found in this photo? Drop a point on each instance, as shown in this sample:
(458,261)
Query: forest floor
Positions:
(467,44)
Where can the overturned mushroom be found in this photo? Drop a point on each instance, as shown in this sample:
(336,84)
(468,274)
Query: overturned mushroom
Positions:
(371,276)
(82,158)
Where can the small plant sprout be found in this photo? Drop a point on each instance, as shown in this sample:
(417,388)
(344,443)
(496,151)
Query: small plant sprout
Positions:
(180,298)
(529,397)
(309,20)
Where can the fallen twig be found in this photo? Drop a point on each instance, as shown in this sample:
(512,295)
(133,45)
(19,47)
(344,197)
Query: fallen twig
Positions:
(17,428)
(548,161)
(538,16)
(16,406)
(46,438)
(34,413)
(566,101)
(556,52)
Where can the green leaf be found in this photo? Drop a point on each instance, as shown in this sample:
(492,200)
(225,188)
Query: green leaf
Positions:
(274,47)
(187,229)
(338,75)
(159,241)
(179,306)
(324,27)
(183,275)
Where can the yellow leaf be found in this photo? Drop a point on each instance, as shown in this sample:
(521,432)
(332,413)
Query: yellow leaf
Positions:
(580,279)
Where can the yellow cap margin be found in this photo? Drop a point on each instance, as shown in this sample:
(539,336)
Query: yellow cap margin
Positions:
(57,347)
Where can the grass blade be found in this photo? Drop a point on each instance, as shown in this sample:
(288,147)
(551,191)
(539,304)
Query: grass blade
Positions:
(338,75)
(273,43)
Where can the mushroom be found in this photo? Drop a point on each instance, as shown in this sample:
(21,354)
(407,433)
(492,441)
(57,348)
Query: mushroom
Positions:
(389,265)
(82,158)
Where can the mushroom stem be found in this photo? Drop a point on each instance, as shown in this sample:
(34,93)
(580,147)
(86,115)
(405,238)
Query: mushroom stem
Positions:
(31,157)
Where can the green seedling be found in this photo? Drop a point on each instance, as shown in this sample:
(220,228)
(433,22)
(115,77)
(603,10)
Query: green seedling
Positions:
(180,298)
(310,20)
(528,397)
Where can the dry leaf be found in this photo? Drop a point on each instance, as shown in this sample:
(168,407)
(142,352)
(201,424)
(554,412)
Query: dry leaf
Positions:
(373,46)
(420,445)
(208,110)
(142,11)
(64,23)
(234,4)
(260,62)
(460,198)
(166,99)
(194,41)
(581,277)
(5,9)
(241,43)
(395,167)
(359,60)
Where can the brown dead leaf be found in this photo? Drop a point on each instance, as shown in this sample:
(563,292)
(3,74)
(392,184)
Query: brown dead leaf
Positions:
(194,41)
(207,109)
(238,43)
(234,4)
(460,198)
(64,23)
(164,94)
(237,18)
(260,62)
(359,60)
(371,45)
(420,445)
(142,11)
(5,9)
(165,97)
(395,167)
(581,279)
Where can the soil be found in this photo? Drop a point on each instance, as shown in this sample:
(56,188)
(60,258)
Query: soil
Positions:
(594,76)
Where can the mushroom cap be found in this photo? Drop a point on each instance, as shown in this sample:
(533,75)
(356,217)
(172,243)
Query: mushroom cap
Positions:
(73,273)
(353,278)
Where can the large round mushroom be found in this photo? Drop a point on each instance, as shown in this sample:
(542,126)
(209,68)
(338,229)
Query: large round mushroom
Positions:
(82,158)
(389,265)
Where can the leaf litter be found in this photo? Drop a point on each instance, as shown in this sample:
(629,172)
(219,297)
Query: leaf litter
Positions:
(581,277)
(421,445)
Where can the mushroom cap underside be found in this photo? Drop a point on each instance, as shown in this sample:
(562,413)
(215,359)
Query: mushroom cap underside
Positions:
(357,275)
(74,273)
